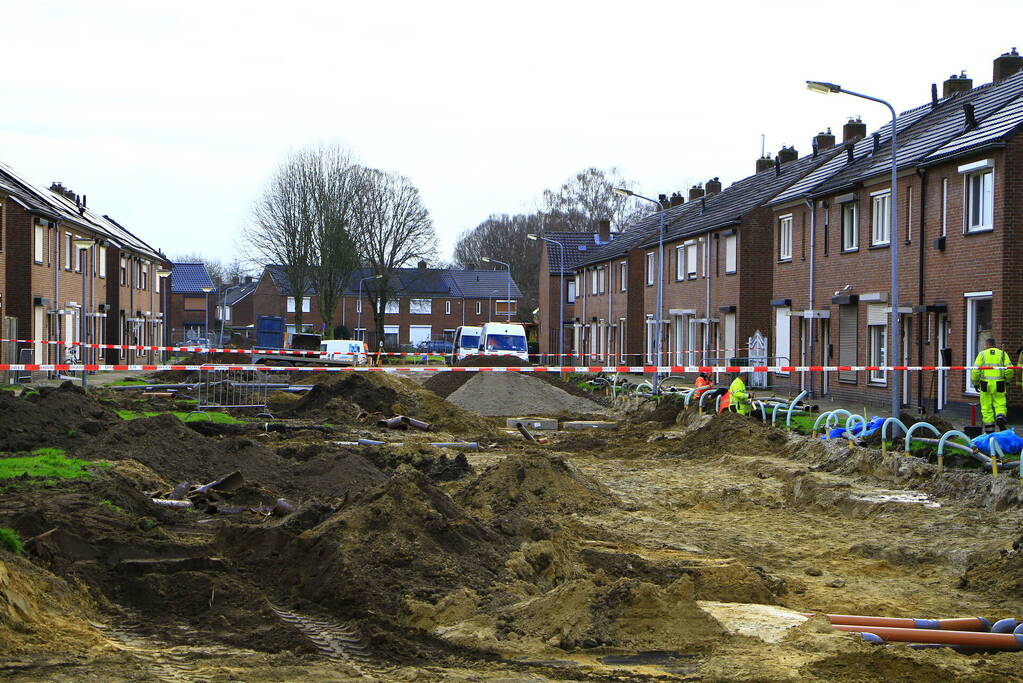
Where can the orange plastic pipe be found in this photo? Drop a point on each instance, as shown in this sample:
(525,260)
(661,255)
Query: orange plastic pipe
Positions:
(1000,641)
(955,624)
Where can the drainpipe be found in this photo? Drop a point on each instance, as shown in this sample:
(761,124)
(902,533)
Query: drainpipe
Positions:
(706,275)
(922,173)
(57,320)
(610,289)
(810,204)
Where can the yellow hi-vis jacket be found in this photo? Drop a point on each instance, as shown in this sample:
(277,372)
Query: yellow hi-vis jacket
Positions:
(989,357)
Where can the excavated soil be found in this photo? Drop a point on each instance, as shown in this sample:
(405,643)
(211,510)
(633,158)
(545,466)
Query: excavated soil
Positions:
(511,394)
(55,417)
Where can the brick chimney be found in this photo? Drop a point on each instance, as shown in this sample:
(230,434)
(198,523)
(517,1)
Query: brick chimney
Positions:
(853,130)
(823,141)
(248,279)
(954,84)
(422,265)
(695,192)
(663,201)
(1007,65)
(787,154)
(604,230)
(713,186)
(676,199)
(764,163)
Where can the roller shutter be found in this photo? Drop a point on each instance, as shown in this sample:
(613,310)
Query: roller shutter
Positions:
(847,338)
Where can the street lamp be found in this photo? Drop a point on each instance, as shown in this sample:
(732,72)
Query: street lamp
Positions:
(358,322)
(660,275)
(561,293)
(163,273)
(487,259)
(896,341)
(206,324)
(82,244)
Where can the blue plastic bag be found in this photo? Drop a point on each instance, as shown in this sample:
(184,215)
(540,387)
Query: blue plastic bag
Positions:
(1010,442)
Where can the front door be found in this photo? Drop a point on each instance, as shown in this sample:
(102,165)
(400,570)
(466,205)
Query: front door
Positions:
(942,360)
(824,354)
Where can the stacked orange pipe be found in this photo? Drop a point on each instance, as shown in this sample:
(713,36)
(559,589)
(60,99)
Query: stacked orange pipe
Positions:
(992,641)
(955,624)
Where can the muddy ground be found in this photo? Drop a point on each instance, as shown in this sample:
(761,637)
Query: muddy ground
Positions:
(678,547)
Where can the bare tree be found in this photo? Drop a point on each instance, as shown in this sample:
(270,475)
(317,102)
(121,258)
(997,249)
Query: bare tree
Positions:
(282,233)
(588,197)
(396,231)
(504,237)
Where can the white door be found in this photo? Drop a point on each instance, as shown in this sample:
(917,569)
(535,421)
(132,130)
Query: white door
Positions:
(691,340)
(782,338)
(71,333)
(729,341)
(940,361)
(805,328)
(679,347)
(419,333)
(904,328)
(38,317)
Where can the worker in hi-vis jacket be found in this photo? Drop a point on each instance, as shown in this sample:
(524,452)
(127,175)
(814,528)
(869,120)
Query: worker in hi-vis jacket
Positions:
(737,398)
(992,383)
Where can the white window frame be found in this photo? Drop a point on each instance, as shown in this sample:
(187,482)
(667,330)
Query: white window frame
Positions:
(601,280)
(691,256)
(392,307)
(987,178)
(782,342)
(944,207)
(40,242)
(972,348)
(785,237)
(593,281)
(623,274)
(570,292)
(290,305)
(122,273)
(307,304)
(877,354)
(447,308)
(909,214)
(731,253)
(68,253)
(416,306)
(850,226)
(102,265)
(680,263)
(579,285)
(358,305)
(479,308)
(649,268)
(881,216)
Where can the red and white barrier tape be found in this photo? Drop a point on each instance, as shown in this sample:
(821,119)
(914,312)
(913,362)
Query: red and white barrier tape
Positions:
(662,369)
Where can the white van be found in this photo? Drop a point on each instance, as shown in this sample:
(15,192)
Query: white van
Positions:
(343,351)
(502,339)
(465,343)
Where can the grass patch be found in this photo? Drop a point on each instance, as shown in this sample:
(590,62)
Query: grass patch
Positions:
(128,383)
(9,539)
(48,464)
(220,418)
(109,504)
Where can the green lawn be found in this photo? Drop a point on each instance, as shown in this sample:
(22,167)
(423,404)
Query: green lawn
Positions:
(128,383)
(221,418)
(48,464)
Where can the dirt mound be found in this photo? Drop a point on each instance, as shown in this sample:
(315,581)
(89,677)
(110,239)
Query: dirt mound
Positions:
(346,394)
(172,450)
(664,412)
(405,538)
(731,433)
(626,613)
(493,362)
(437,465)
(511,394)
(55,417)
(534,485)
(582,442)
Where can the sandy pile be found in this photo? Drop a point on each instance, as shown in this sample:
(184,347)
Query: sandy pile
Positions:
(511,394)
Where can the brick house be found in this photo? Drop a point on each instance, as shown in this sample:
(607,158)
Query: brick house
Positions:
(429,303)
(71,274)
(557,279)
(235,304)
(191,304)
(960,164)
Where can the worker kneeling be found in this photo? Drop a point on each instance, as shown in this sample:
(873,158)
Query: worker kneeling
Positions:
(991,383)
(737,398)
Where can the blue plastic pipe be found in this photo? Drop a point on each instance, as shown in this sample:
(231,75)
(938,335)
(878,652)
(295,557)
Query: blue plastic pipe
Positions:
(788,417)
(913,428)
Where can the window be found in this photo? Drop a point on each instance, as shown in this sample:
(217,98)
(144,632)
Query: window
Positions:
(785,238)
(680,263)
(944,207)
(650,268)
(391,306)
(623,275)
(68,251)
(877,341)
(479,308)
(124,271)
(39,243)
(578,285)
(571,291)
(978,328)
(909,215)
(101,257)
(593,281)
(850,229)
(420,306)
(691,261)
(601,279)
(782,336)
(447,308)
(979,200)
(291,304)
(730,253)
(358,305)
(144,275)
(882,213)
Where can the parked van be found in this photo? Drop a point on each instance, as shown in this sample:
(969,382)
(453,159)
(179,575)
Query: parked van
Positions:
(465,343)
(344,351)
(502,339)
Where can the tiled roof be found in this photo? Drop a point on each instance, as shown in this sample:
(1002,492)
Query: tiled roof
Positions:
(482,284)
(280,281)
(189,278)
(232,294)
(577,247)
(422,282)
(56,207)
(636,233)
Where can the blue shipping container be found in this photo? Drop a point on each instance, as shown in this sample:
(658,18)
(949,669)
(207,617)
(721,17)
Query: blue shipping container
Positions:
(270,332)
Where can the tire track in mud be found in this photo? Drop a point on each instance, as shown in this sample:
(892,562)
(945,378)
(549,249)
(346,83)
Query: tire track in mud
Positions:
(337,642)
(164,662)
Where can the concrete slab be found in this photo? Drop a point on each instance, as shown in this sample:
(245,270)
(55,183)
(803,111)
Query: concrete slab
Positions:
(543,423)
(589,424)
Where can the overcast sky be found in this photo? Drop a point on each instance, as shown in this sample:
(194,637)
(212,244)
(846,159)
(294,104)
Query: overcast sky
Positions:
(170,116)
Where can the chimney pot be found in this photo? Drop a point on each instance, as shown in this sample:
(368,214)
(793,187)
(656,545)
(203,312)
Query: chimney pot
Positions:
(787,154)
(853,130)
(695,192)
(604,230)
(956,84)
(764,163)
(713,186)
(824,140)
(1007,65)
(676,199)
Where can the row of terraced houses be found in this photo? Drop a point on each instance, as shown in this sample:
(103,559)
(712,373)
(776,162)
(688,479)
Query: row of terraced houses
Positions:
(800,252)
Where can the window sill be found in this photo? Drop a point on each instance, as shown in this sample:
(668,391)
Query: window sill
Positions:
(849,251)
(692,277)
(877,383)
(730,272)
(785,260)
(883,245)
(38,263)
(975,231)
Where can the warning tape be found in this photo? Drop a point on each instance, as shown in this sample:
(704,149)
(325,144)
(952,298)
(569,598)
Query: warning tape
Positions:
(661,369)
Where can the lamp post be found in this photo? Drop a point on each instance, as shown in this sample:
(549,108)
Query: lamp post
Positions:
(206,324)
(660,276)
(163,274)
(358,313)
(896,340)
(84,244)
(561,293)
(487,259)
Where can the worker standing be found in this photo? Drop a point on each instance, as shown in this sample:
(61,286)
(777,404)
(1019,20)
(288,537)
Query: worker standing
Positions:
(991,384)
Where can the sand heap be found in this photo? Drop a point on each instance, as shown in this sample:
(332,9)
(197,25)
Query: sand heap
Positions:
(512,394)
(55,417)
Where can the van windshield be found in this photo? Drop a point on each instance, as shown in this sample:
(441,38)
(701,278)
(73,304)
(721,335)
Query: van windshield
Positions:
(506,342)
(469,341)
